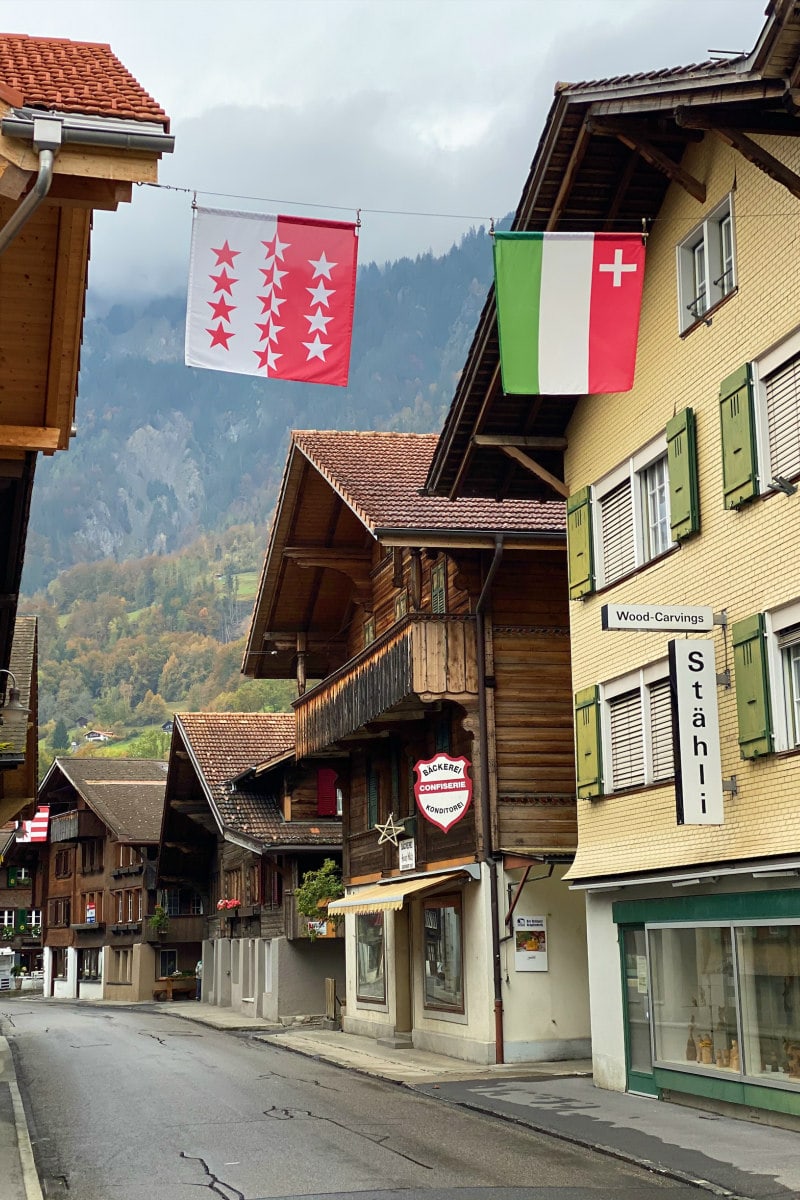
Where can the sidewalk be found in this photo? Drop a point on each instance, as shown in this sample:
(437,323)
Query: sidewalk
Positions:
(728,1157)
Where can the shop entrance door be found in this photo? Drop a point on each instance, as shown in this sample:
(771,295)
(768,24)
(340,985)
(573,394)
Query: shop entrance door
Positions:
(636,1004)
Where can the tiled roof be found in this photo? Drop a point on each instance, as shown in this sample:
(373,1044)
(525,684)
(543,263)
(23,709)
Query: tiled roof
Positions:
(223,746)
(381,476)
(77,77)
(709,67)
(23,653)
(126,793)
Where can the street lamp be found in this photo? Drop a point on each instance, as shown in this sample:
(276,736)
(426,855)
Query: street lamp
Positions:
(14,722)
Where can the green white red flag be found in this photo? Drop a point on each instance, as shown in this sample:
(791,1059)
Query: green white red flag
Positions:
(271,296)
(568,311)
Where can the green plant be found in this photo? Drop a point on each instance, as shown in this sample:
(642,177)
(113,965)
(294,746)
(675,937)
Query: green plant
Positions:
(314,894)
(17,971)
(8,933)
(159,922)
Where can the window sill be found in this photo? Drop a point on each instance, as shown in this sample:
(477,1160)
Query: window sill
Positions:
(651,562)
(709,314)
(633,791)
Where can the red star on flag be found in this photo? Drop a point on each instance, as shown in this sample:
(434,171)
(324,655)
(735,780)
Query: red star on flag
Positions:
(267,358)
(224,254)
(220,309)
(220,336)
(223,282)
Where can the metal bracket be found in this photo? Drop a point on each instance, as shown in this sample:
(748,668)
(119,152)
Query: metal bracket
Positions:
(724,678)
(721,618)
(730,786)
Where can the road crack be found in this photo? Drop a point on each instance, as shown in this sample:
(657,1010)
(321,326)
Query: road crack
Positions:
(214,1183)
(291,1114)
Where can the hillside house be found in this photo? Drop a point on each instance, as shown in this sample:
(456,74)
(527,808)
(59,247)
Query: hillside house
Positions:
(76,132)
(434,651)
(99,875)
(243,822)
(683,494)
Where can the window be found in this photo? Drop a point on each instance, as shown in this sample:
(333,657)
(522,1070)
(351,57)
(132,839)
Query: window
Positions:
(444,980)
(120,966)
(369,631)
(60,962)
(7,915)
(92,907)
(60,911)
(92,856)
(130,896)
(370,973)
(439,588)
(400,605)
(63,864)
(35,918)
(633,514)
(726,997)
(767,677)
(126,856)
(775,380)
(326,792)
(637,729)
(706,266)
(170,901)
(89,964)
(167,962)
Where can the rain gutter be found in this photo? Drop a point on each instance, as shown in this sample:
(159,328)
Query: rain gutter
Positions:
(46,137)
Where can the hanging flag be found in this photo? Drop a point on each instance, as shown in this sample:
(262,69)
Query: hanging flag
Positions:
(35,830)
(271,296)
(568,311)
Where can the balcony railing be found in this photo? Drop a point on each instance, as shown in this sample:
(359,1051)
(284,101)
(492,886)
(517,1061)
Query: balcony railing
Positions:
(430,655)
(180,929)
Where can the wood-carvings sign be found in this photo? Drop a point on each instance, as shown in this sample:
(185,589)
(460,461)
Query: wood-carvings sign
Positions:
(443,789)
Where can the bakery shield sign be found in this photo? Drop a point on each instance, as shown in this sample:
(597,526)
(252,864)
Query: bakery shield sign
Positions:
(443,789)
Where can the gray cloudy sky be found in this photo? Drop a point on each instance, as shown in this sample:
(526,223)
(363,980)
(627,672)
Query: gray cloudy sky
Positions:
(413,106)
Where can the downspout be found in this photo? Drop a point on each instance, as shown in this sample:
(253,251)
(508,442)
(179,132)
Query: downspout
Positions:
(486,811)
(46,140)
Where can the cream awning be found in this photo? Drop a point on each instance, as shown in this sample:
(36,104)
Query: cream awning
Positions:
(391,894)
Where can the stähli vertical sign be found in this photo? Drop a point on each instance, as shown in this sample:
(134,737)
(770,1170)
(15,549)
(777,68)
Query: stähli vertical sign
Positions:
(695,733)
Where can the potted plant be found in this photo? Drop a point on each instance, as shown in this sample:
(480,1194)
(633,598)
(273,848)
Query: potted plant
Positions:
(314,894)
(159,922)
(18,974)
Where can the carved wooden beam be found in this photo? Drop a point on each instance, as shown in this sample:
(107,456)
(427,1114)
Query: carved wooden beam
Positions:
(523,441)
(651,154)
(536,469)
(355,564)
(761,158)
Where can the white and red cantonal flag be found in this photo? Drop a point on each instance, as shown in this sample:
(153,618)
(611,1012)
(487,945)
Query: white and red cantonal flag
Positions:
(34,830)
(271,296)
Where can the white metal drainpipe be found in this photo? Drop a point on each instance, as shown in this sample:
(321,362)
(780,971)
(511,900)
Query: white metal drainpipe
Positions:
(483,734)
(46,140)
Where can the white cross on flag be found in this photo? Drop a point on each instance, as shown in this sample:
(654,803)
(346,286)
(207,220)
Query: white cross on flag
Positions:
(271,296)
(35,830)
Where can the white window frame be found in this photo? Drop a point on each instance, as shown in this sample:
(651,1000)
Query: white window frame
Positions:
(9,916)
(720,279)
(776,623)
(779,356)
(634,471)
(643,679)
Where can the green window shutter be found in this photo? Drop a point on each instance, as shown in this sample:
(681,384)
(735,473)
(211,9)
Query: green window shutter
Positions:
(739,462)
(684,502)
(579,544)
(11,878)
(752,687)
(588,758)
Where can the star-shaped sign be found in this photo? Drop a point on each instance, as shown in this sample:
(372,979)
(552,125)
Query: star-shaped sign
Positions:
(317,348)
(220,336)
(319,294)
(321,266)
(389,831)
(224,254)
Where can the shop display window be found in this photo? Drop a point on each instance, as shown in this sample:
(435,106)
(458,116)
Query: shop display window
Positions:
(370,954)
(769,992)
(727,998)
(444,978)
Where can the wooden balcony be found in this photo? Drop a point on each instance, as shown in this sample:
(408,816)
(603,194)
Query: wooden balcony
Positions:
(180,929)
(428,656)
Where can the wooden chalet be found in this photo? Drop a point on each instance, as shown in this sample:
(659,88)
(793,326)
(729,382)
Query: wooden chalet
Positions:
(19,731)
(99,875)
(76,132)
(20,897)
(243,821)
(416,627)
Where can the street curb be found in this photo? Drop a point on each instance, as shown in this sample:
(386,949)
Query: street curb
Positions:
(30,1176)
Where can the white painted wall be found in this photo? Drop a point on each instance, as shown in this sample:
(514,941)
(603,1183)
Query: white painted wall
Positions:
(605,991)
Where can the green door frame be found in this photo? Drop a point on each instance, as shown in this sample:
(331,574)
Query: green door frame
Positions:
(636,1079)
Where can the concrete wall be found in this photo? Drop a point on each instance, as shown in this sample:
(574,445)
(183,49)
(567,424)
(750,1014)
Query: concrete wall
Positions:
(271,978)
(546,1013)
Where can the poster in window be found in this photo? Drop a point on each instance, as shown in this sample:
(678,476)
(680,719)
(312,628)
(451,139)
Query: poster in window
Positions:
(530,943)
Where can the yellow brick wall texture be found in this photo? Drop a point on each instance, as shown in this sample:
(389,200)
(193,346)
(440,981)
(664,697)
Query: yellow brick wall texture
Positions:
(743,561)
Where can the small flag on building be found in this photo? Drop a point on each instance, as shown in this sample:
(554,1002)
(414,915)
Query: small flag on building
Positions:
(568,311)
(271,296)
(34,830)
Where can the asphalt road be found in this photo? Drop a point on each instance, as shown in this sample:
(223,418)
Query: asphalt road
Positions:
(129,1104)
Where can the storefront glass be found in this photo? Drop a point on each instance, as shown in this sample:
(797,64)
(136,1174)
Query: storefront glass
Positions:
(727,998)
(444,983)
(371,975)
(769,990)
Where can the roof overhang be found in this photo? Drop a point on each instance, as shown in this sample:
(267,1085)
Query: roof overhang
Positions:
(786,867)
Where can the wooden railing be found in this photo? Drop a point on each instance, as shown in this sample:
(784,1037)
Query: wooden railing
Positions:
(421,655)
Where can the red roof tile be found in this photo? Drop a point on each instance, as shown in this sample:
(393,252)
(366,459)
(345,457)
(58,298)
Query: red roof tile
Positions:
(381,476)
(76,77)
